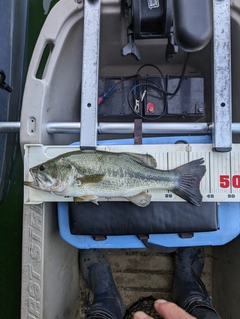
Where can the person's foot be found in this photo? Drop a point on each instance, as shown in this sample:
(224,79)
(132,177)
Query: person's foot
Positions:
(187,285)
(188,259)
(97,273)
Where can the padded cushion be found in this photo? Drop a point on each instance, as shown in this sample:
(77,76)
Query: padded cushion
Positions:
(125,218)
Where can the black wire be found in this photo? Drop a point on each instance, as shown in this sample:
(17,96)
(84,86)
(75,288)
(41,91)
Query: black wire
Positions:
(155,86)
(155,67)
(150,81)
(181,77)
(151,65)
(180,80)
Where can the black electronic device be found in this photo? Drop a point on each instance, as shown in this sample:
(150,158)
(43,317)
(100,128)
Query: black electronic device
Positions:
(185,23)
(152,18)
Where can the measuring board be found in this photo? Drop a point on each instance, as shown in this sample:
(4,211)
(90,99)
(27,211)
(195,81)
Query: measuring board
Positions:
(221,182)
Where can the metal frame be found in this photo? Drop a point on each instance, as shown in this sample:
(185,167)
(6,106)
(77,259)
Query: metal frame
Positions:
(222,127)
(123,128)
(222,101)
(89,103)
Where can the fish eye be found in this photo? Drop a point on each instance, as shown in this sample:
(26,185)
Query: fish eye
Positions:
(42,167)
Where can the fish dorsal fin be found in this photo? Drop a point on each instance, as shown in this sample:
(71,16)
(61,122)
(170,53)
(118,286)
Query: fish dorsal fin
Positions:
(144,159)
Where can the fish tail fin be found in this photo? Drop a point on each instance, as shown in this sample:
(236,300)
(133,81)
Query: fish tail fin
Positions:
(190,175)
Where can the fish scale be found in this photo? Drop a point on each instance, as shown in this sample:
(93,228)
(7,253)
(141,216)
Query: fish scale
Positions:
(129,173)
(115,165)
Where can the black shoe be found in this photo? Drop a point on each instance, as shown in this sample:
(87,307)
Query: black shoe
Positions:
(97,273)
(189,291)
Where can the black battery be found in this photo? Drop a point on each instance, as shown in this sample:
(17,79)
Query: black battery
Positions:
(189,100)
(119,98)
(148,98)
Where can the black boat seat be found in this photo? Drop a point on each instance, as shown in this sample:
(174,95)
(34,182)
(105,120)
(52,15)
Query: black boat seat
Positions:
(125,218)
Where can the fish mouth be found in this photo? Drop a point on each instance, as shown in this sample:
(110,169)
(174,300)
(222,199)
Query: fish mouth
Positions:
(31,184)
(37,181)
(41,182)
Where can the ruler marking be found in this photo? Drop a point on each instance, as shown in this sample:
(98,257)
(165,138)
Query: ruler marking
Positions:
(210,185)
(167,164)
(230,173)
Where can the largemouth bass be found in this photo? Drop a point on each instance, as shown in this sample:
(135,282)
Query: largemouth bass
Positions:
(88,175)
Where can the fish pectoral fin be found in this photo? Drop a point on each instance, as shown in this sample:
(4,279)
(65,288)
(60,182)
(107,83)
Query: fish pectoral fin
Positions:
(143,159)
(90,179)
(142,199)
(87,198)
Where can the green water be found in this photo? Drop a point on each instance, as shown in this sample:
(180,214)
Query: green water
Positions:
(11,248)
(11,210)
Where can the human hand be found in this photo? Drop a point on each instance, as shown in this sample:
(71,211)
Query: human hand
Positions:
(167,310)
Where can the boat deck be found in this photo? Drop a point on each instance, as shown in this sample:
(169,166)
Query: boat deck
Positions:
(141,273)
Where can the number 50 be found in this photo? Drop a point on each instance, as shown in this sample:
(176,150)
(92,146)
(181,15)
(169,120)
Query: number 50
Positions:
(225,181)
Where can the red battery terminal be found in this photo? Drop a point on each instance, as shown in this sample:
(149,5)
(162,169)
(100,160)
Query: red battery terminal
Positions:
(150,107)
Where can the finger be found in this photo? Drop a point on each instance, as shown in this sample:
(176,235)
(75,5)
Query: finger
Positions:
(141,315)
(169,310)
